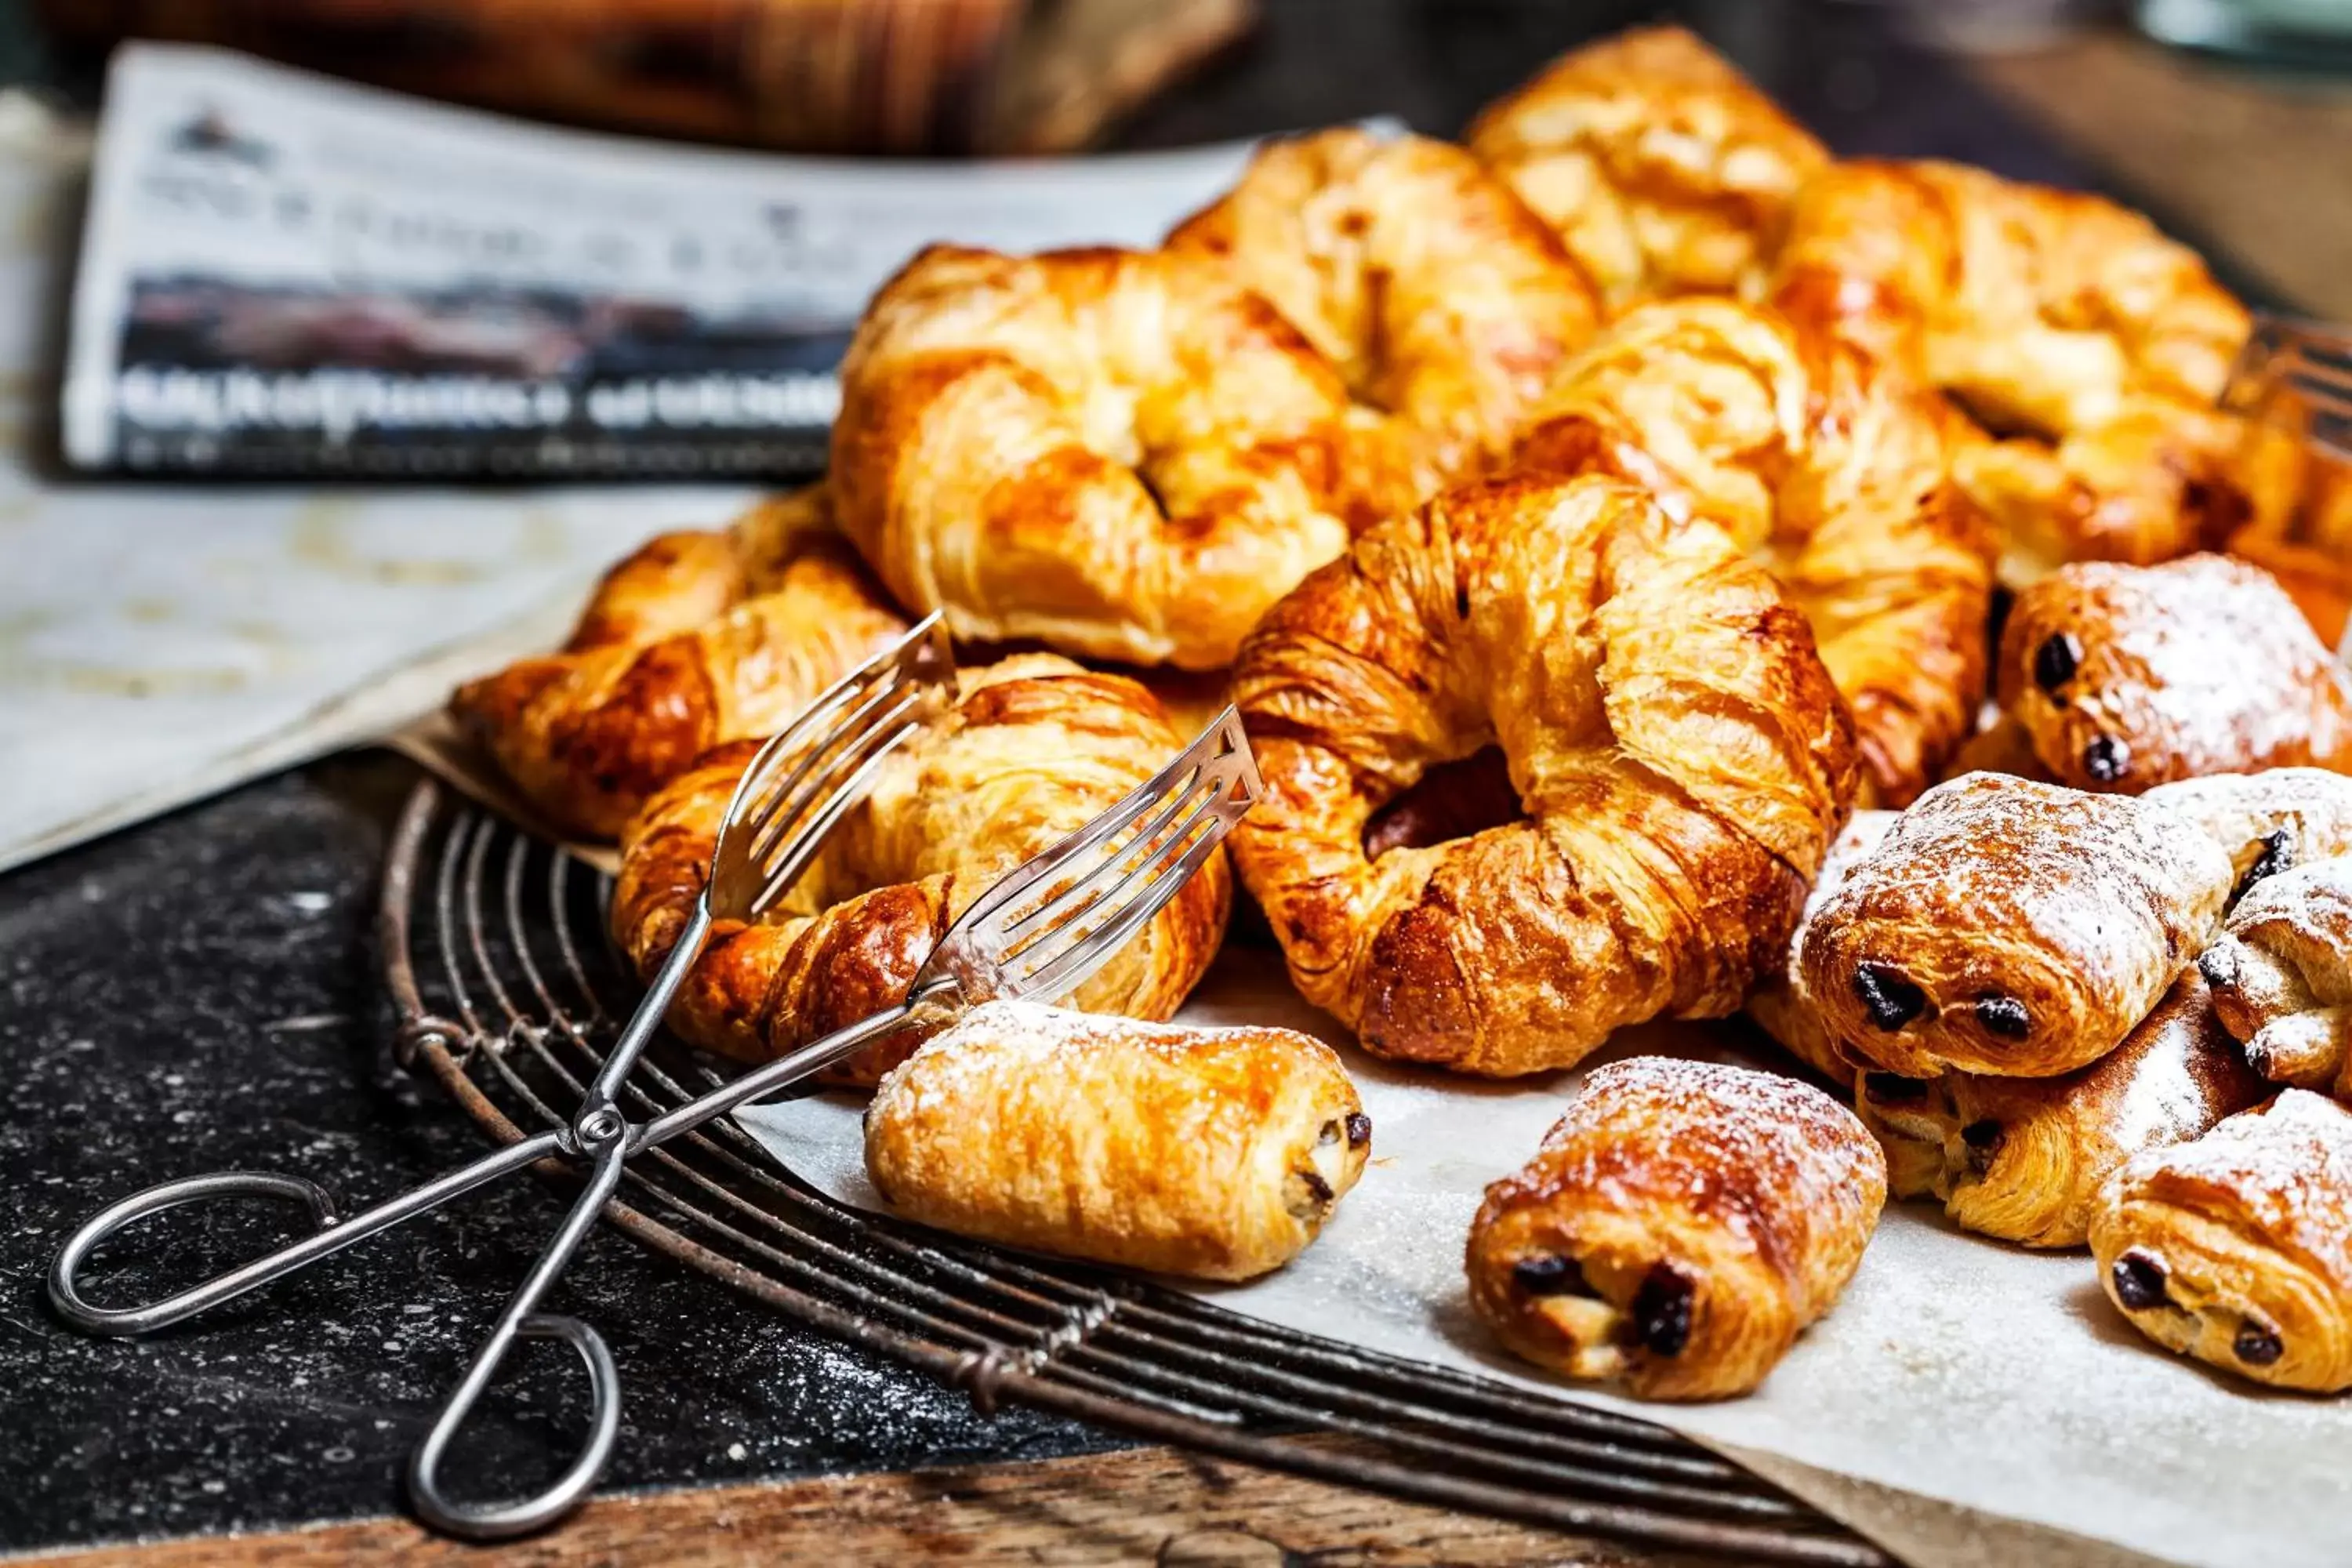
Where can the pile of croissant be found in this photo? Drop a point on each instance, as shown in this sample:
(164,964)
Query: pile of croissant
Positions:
(1664,571)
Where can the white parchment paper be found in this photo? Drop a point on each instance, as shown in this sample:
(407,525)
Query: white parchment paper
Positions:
(1954,1367)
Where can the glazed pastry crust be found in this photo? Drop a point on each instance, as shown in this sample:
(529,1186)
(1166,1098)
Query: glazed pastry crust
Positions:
(2127,676)
(2090,344)
(1779,1005)
(1212,1153)
(1447,304)
(1676,747)
(2268,821)
(1122,455)
(1663,169)
(1035,748)
(2011,927)
(1827,469)
(2237,1248)
(696,639)
(1747,1195)
(2282,975)
(2023,1158)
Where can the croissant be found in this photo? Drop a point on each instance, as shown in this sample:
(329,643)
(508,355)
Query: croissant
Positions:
(2237,1248)
(1675,752)
(2124,676)
(2310,553)
(1123,455)
(1035,748)
(1214,1153)
(696,639)
(2268,821)
(1827,469)
(2089,344)
(2023,1158)
(2011,927)
(1663,169)
(1445,303)
(2282,976)
(1681,1224)
(1779,1005)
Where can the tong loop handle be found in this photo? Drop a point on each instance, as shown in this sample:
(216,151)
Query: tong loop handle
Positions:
(503,1522)
(65,1287)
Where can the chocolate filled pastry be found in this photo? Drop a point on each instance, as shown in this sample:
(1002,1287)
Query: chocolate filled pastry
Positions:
(1829,470)
(1447,304)
(696,639)
(1665,171)
(2282,976)
(1678,754)
(2266,823)
(2023,1158)
(1034,749)
(2089,347)
(2011,927)
(2127,676)
(1214,1153)
(1681,1224)
(1779,1005)
(2237,1248)
(1123,455)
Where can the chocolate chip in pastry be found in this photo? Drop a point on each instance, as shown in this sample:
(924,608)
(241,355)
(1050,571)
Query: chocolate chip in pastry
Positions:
(2237,1248)
(2011,927)
(1779,1005)
(1681,1224)
(1213,1153)
(2268,821)
(2023,1158)
(2282,976)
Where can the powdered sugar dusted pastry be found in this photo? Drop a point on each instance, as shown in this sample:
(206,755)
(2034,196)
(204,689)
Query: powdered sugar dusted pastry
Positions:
(2267,822)
(1216,1154)
(2237,1248)
(2011,927)
(2282,976)
(1681,1225)
(1779,1005)
(2126,676)
(2023,1158)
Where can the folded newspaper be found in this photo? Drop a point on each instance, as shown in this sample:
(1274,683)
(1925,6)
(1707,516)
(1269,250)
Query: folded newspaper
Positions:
(284,274)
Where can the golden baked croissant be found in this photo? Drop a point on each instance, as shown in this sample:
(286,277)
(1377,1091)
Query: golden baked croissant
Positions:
(1445,303)
(1681,1224)
(1123,455)
(1677,749)
(1035,748)
(2268,821)
(1830,470)
(696,639)
(2282,976)
(1779,1005)
(1663,169)
(2237,1248)
(2092,345)
(2023,1158)
(2310,553)
(2011,927)
(2124,676)
(1214,1154)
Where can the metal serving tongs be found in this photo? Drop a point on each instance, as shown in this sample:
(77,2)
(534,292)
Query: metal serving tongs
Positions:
(1040,931)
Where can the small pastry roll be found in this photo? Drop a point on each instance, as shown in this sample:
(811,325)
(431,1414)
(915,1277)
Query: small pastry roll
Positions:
(2267,822)
(2023,1158)
(1682,1224)
(2282,976)
(2237,1248)
(1216,1154)
(2011,928)
(1779,1005)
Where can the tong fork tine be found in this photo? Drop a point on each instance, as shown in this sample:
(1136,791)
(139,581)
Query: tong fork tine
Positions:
(2308,360)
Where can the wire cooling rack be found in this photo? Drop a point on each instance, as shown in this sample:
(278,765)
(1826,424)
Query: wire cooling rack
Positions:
(508,992)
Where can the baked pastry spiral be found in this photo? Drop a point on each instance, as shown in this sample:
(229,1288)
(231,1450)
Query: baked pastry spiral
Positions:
(2237,1248)
(2023,1158)
(1669,733)
(1663,169)
(1780,1006)
(1214,1154)
(696,639)
(1445,303)
(2093,346)
(2268,821)
(1123,455)
(1829,470)
(1035,748)
(2011,927)
(2124,676)
(2282,976)
(1681,1224)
